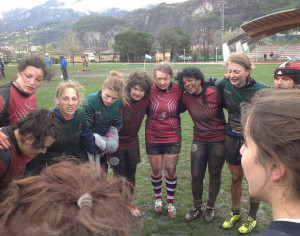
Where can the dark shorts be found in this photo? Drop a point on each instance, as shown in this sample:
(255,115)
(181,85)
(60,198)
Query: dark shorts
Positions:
(163,148)
(232,150)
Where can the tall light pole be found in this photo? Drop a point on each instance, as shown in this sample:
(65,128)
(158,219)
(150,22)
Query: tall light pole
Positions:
(184,55)
(222,38)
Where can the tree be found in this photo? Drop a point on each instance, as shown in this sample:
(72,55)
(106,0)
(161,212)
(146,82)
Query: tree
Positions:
(70,43)
(133,44)
(172,39)
(204,37)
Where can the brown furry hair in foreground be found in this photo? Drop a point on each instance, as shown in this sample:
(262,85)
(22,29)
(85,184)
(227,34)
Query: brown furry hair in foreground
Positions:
(47,204)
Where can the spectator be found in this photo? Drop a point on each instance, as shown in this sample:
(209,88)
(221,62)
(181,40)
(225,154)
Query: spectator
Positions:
(2,74)
(271,54)
(63,67)
(48,61)
(265,57)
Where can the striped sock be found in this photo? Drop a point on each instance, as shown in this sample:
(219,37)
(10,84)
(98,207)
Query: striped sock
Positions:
(157,186)
(171,188)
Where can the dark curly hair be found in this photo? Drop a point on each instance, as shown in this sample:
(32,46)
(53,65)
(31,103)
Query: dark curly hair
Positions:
(141,79)
(190,72)
(41,123)
(36,62)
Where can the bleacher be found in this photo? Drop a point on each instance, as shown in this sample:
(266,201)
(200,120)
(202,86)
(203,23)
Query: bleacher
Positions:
(257,54)
(292,53)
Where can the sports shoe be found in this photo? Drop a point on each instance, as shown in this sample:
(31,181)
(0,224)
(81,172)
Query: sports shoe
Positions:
(227,224)
(194,213)
(158,206)
(248,226)
(209,214)
(171,210)
(134,211)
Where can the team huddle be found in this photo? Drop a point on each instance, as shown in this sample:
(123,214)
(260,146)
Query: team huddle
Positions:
(65,152)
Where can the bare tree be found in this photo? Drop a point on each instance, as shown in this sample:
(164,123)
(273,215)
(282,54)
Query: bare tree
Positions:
(204,37)
(70,43)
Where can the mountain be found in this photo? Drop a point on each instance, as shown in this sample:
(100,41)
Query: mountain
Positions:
(52,21)
(50,11)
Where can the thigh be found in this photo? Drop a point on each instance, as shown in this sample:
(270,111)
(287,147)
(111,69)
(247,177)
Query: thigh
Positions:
(154,149)
(117,162)
(199,156)
(171,148)
(132,157)
(232,150)
(216,155)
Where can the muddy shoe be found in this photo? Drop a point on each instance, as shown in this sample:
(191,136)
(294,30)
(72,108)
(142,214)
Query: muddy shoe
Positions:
(209,214)
(158,206)
(227,224)
(248,226)
(172,210)
(193,214)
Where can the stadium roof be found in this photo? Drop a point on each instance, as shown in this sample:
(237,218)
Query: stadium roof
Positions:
(268,25)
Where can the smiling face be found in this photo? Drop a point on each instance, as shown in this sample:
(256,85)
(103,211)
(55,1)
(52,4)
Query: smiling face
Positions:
(30,79)
(192,85)
(237,74)
(109,96)
(162,80)
(137,93)
(283,82)
(68,102)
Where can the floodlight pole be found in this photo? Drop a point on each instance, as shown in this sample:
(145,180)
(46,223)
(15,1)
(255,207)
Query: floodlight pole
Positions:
(222,38)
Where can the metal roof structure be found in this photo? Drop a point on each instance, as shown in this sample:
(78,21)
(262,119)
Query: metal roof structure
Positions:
(268,25)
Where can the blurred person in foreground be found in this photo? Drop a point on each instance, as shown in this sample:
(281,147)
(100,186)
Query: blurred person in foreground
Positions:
(68,199)
(271,156)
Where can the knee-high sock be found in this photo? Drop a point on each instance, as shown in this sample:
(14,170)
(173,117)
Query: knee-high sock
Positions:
(171,188)
(157,186)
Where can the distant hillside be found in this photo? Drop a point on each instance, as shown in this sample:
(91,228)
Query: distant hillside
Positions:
(49,12)
(189,16)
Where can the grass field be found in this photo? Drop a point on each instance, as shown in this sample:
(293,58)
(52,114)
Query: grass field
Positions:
(154,224)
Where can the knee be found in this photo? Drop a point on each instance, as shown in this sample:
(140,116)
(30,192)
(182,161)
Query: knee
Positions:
(237,178)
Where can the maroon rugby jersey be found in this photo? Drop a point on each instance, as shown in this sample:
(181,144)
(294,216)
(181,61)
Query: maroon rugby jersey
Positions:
(133,115)
(209,120)
(14,104)
(12,161)
(163,119)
